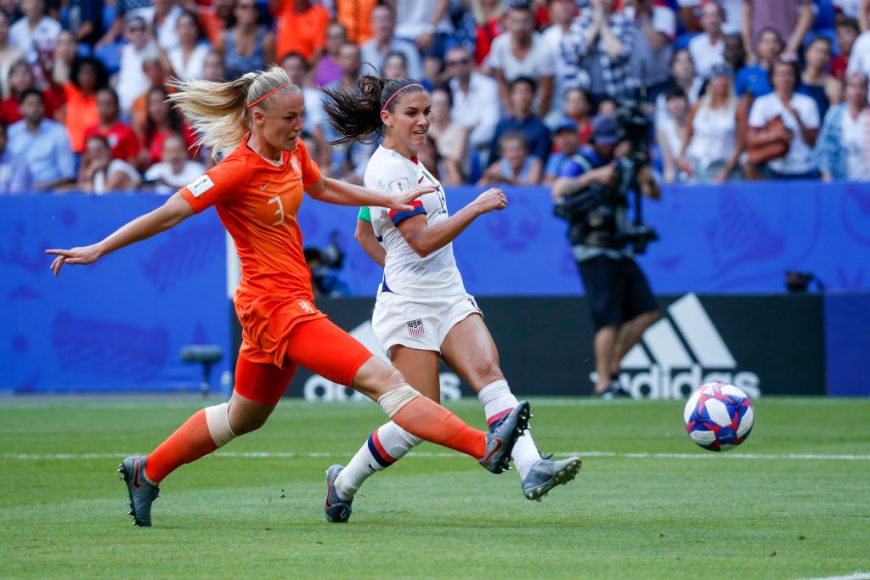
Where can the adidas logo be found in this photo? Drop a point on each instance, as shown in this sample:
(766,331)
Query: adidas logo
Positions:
(679,353)
(318,388)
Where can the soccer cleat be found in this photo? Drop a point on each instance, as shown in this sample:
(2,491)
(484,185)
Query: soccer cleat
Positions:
(547,474)
(337,510)
(502,436)
(142,492)
(614,390)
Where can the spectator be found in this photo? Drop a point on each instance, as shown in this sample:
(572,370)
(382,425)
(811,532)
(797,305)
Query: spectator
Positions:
(155,73)
(450,137)
(395,66)
(446,171)
(247,45)
(488,14)
(350,61)
(816,83)
(475,99)
(561,13)
(161,122)
(186,61)
(375,50)
(682,76)
(349,162)
(9,55)
(125,10)
(859,60)
(425,24)
(734,53)
(521,52)
(64,53)
(120,136)
(85,20)
(847,31)
(843,150)
(131,81)
(356,17)
(42,143)
(88,75)
(213,68)
(216,18)
(864,15)
(710,151)
(175,169)
(754,79)
(566,141)
(655,27)
(672,132)
(514,166)
(790,21)
(299,71)
(15,176)
(99,173)
(35,33)
(800,117)
(300,27)
(579,110)
(328,69)
(601,42)
(522,95)
(708,47)
(21,78)
(164,23)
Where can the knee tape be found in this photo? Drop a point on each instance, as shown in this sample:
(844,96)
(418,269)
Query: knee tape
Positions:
(218,420)
(393,401)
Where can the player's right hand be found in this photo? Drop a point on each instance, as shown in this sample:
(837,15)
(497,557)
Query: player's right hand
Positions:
(81,256)
(490,200)
(402,201)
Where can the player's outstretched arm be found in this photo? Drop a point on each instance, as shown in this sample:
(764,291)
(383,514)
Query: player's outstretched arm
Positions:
(340,193)
(425,239)
(175,210)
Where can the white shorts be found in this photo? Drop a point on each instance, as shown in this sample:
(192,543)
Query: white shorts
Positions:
(417,322)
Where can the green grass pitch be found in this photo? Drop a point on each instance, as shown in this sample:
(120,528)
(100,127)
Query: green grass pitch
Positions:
(792,502)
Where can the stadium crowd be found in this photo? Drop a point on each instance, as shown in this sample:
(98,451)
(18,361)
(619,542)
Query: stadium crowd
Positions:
(738,89)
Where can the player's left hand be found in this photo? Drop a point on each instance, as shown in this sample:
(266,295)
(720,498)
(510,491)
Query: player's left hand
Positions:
(82,256)
(402,201)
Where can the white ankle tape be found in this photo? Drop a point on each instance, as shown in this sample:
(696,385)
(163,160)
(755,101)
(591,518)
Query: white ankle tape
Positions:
(218,420)
(393,401)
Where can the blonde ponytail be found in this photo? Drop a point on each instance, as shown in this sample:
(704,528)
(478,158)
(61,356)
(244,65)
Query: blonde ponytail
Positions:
(220,112)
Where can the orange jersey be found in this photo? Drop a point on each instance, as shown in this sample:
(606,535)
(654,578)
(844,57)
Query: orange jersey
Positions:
(258,203)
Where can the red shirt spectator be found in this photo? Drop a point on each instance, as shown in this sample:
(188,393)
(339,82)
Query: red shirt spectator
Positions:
(121,137)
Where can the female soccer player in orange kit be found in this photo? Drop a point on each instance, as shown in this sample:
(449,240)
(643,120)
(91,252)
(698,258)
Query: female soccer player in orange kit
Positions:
(257,189)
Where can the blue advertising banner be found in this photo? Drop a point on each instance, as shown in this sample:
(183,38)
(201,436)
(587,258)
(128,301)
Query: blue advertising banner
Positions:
(117,325)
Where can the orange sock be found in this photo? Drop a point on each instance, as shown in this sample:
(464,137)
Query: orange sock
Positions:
(189,442)
(430,421)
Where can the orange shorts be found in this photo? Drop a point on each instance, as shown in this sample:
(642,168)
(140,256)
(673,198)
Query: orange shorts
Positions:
(317,345)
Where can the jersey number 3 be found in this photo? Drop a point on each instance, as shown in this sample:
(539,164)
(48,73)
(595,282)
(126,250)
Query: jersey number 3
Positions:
(279,211)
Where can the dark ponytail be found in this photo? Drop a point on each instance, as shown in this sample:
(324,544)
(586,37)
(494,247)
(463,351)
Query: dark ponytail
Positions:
(356,116)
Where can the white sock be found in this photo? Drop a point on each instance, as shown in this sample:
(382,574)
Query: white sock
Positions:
(498,401)
(383,448)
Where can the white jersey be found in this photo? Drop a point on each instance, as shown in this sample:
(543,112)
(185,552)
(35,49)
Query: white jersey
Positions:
(406,272)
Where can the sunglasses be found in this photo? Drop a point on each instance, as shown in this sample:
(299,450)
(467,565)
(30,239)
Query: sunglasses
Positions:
(136,29)
(458,62)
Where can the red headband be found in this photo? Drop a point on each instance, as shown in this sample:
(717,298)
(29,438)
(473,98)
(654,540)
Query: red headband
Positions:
(267,95)
(399,91)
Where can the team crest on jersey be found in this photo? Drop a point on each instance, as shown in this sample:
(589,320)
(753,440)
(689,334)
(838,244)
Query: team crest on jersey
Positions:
(400,185)
(306,306)
(294,163)
(415,328)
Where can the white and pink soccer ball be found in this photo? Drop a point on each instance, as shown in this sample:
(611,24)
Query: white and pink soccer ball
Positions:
(718,416)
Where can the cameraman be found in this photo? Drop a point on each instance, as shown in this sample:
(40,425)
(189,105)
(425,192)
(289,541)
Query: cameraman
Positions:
(592,195)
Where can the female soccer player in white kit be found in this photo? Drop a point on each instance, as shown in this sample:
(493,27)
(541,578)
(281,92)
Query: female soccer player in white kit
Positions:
(423,311)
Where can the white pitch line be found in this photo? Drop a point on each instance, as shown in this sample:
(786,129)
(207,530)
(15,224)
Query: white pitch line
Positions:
(446,455)
(853,576)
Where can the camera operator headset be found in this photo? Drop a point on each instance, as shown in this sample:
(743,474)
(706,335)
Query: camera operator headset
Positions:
(592,195)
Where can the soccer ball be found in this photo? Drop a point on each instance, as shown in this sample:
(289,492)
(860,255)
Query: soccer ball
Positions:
(718,416)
